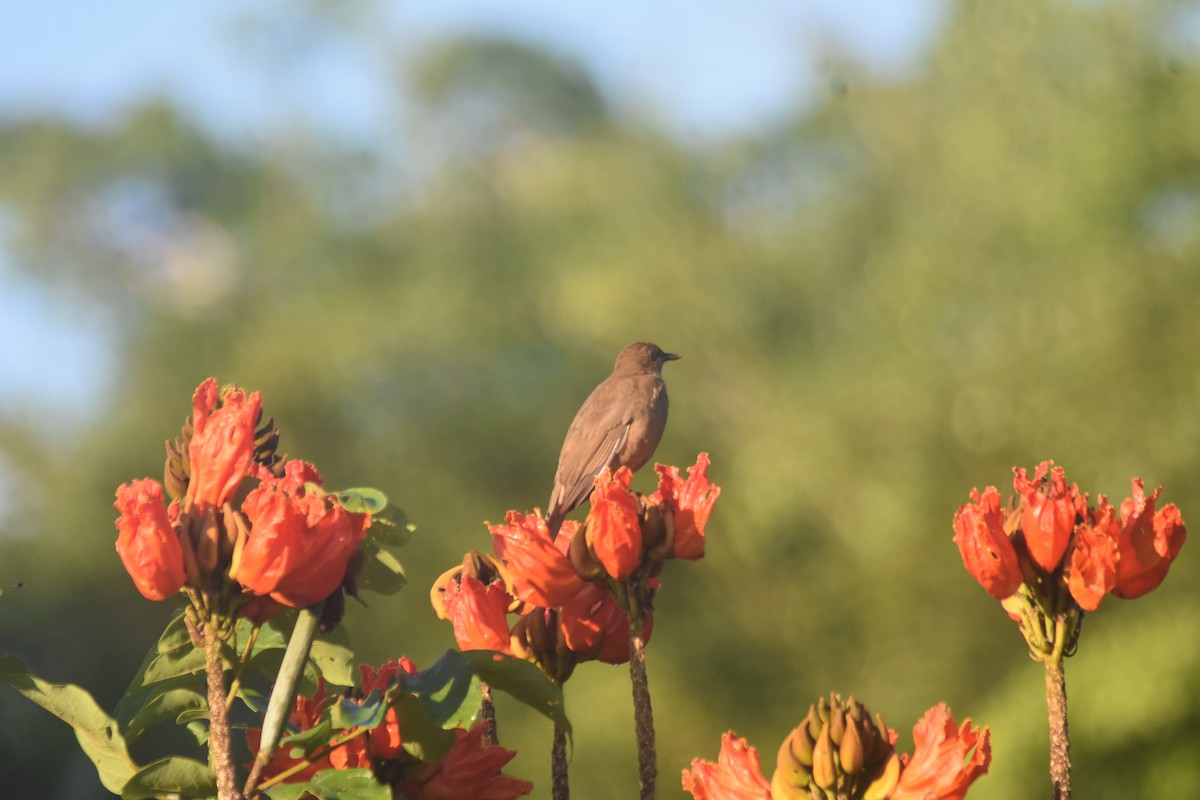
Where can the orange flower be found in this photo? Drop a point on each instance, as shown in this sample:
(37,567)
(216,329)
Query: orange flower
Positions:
(1149,542)
(613,529)
(222,444)
(986,550)
(735,776)
(947,759)
(147,543)
(384,741)
(470,769)
(596,628)
(1049,515)
(478,611)
(691,502)
(1092,567)
(542,574)
(300,541)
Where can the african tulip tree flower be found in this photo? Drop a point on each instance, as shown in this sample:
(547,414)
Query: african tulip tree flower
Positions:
(736,775)
(147,542)
(475,597)
(542,573)
(946,760)
(1147,544)
(222,445)
(690,502)
(471,769)
(1055,538)
(300,539)
(986,550)
(613,528)
(1049,510)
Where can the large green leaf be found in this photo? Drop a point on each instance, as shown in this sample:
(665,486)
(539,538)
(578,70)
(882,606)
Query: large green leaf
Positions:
(165,705)
(523,681)
(98,734)
(422,736)
(382,572)
(334,659)
(334,784)
(172,775)
(448,690)
(391,529)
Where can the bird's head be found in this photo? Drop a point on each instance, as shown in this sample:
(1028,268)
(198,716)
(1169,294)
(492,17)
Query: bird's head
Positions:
(642,357)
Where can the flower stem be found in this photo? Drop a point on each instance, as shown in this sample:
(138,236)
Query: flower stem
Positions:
(643,714)
(560,787)
(220,755)
(283,694)
(488,712)
(1060,740)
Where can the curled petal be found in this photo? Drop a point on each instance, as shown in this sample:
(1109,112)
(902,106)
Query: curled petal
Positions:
(472,769)
(222,444)
(542,574)
(1092,566)
(146,542)
(1149,541)
(613,529)
(986,550)
(947,758)
(478,613)
(735,776)
(1049,513)
(300,542)
(691,502)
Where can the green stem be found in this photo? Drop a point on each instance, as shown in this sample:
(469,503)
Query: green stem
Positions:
(284,692)
(243,663)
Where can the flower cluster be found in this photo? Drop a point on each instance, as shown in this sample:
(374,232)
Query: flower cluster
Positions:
(288,543)
(838,751)
(1050,536)
(471,768)
(551,600)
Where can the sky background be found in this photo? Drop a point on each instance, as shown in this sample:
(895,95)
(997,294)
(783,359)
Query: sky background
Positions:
(701,70)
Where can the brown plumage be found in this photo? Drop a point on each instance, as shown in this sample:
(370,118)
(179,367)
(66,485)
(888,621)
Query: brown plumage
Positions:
(619,425)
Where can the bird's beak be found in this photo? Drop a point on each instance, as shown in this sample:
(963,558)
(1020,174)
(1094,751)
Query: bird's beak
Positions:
(670,357)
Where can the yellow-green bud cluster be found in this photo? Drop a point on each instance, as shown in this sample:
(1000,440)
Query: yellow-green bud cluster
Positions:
(837,753)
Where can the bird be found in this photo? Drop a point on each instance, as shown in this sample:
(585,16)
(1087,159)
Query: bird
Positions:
(619,425)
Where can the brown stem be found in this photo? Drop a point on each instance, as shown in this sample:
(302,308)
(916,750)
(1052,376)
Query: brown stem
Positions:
(643,715)
(560,786)
(220,754)
(1060,740)
(488,712)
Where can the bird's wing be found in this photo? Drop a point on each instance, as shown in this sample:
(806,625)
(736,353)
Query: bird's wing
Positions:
(577,470)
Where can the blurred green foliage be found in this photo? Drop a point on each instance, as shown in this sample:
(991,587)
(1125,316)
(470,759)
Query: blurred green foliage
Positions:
(888,300)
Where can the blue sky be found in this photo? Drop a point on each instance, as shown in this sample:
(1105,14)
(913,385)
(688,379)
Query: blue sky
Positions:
(701,69)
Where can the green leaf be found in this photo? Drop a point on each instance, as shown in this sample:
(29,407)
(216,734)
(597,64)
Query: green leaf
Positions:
(522,681)
(382,572)
(98,734)
(305,742)
(334,784)
(347,713)
(334,659)
(391,528)
(171,775)
(362,500)
(448,690)
(422,737)
(169,704)
(175,642)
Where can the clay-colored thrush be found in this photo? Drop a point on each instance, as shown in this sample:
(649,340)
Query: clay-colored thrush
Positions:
(619,425)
